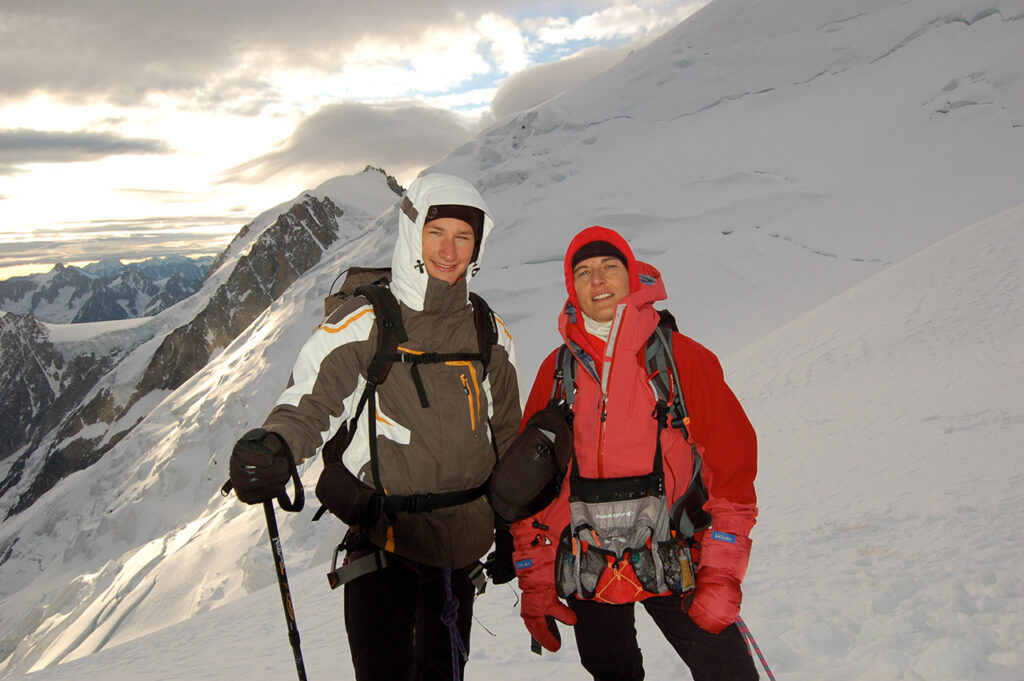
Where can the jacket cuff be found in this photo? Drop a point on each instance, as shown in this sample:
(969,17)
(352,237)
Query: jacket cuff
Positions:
(535,567)
(738,519)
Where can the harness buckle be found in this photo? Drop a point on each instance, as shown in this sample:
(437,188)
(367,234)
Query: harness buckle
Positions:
(419,503)
(477,576)
(661,412)
(352,569)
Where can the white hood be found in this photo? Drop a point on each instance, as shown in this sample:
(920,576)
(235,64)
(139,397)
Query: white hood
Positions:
(408,275)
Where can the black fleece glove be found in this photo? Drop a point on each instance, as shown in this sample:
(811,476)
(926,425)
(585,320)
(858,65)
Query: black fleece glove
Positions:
(260,466)
(499,564)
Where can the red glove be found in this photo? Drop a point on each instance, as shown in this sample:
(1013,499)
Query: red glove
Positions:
(540,609)
(535,568)
(723,563)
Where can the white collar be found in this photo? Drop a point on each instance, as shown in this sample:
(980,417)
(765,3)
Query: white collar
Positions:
(596,328)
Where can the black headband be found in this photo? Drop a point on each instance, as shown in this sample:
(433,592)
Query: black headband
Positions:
(595,249)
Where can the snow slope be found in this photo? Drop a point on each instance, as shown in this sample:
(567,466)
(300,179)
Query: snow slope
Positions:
(792,168)
(898,408)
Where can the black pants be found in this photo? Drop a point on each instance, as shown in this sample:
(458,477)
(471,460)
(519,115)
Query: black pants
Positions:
(606,639)
(393,620)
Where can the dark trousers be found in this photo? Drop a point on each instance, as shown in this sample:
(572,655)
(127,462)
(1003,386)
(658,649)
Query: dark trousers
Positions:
(393,620)
(606,639)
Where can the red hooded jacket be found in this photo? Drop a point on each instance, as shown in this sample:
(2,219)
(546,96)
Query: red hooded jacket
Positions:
(623,443)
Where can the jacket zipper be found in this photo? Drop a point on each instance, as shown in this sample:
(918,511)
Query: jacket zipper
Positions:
(470,390)
(469,400)
(606,371)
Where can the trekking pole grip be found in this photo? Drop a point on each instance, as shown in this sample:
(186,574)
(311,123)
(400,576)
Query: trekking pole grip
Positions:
(292,505)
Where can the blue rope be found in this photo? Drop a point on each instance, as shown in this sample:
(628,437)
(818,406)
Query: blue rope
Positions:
(450,617)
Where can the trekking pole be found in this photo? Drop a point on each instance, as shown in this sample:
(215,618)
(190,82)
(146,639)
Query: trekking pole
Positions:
(752,644)
(282,582)
(275,546)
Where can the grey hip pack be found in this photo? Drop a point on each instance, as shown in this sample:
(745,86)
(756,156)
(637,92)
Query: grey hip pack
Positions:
(620,544)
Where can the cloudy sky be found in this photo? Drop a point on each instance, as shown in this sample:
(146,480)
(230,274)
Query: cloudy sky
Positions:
(133,128)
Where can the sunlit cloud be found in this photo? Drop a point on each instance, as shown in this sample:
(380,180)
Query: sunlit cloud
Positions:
(528,88)
(134,48)
(509,47)
(448,61)
(470,103)
(162,195)
(345,138)
(618,21)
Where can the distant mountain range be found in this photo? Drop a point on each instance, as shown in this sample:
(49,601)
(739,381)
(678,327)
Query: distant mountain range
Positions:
(73,391)
(105,290)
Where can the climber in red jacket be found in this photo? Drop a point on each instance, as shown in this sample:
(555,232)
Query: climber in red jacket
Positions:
(606,324)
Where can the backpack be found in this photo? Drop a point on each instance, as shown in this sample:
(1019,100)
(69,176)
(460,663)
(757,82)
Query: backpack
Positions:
(340,492)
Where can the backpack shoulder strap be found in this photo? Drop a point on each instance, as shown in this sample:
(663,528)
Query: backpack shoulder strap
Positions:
(688,512)
(661,367)
(486,329)
(390,330)
(563,387)
(667,320)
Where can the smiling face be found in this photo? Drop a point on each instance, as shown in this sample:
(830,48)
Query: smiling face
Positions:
(447,248)
(601,282)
